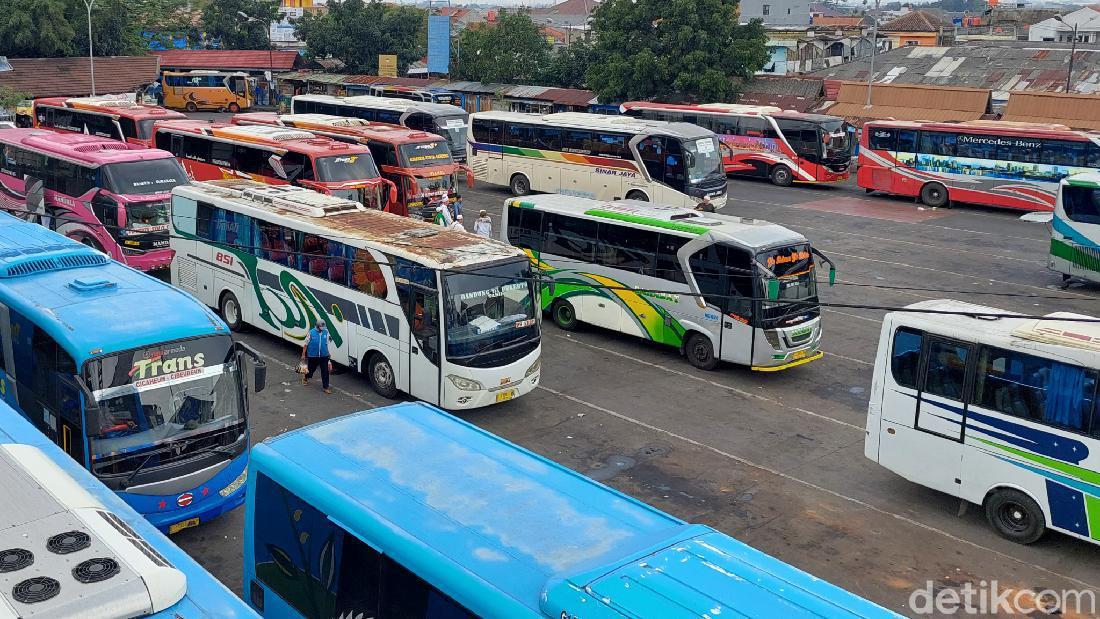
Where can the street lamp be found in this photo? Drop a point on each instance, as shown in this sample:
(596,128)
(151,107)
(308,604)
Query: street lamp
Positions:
(1072,52)
(270,55)
(91,58)
(874,48)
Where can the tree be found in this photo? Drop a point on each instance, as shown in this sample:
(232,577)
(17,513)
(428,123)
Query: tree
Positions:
(10,99)
(224,22)
(569,65)
(356,32)
(673,49)
(35,29)
(114,29)
(512,52)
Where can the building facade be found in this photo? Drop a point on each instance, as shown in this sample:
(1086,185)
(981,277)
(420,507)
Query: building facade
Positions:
(776,12)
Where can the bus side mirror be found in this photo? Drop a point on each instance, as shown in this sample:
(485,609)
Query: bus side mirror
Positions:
(36,196)
(773,289)
(832,275)
(276,163)
(259,378)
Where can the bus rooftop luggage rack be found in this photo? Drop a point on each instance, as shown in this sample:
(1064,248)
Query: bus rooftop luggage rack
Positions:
(277,134)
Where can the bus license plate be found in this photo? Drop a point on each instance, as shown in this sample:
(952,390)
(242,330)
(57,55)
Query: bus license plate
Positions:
(504,396)
(799,354)
(184,524)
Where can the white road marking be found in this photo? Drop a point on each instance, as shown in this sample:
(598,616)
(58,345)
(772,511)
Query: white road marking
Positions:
(294,370)
(809,484)
(877,321)
(919,244)
(852,359)
(741,392)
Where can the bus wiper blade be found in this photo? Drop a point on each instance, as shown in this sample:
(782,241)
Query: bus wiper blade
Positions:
(497,345)
(129,478)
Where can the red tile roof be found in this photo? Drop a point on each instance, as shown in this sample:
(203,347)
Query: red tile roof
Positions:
(69,77)
(569,96)
(229,59)
(847,20)
(914,21)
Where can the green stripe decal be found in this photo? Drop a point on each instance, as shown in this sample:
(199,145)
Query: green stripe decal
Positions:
(1076,472)
(1092,508)
(1076,257)
(647,221)
(1076,183)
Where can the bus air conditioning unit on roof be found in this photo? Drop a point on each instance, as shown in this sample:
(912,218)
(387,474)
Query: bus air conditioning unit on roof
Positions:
(62,554)
(277,134)
(302,201)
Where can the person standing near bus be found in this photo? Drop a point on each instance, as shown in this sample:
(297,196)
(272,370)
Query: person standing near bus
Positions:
(315,354)
(483,225)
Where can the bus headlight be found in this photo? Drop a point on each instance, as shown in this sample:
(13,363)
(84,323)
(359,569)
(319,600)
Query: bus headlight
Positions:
(235,485)
(534,367)
(465,384)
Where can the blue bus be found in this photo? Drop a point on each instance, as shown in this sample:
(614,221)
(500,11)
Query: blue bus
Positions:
(406,511)
(134,379)
(71,547)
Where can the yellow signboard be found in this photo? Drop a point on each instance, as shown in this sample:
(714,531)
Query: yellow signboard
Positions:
(387,65)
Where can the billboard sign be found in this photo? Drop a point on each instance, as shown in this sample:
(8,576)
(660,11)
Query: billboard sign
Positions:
(387,65)
(439,44)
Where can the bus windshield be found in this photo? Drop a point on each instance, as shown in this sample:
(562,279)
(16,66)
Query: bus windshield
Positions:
(144,177)
(175,395)
(793,266)
(425,155)
(487,310)
(454,129)
(704,158)
(836,138)
(356,167)
(147,216)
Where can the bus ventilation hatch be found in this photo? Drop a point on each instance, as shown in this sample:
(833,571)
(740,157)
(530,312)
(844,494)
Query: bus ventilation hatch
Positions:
(20,266)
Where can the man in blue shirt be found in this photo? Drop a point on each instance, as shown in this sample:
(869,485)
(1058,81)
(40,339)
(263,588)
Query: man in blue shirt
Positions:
(315,354)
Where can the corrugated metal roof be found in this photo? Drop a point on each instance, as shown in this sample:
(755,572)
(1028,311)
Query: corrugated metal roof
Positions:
(1017,65)
(910,102)
(570,96)
(226,59)
(525,92)
(1077,111)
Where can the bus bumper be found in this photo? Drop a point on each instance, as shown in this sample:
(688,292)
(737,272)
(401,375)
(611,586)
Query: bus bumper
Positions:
(173,513)
(498,384)
(790,364)
(155,263)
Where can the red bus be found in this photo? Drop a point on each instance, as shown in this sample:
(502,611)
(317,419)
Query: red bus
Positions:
(418,163)
(783,146)
(994,163)
(115,117)
(277,156)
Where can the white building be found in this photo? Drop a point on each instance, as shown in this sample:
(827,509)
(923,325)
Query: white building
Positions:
(1087,21)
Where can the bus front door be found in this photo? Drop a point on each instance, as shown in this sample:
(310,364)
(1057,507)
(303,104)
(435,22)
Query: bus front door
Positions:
(422,363)
(941,412)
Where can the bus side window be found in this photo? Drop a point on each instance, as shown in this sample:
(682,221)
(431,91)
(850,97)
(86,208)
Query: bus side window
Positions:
(905,357)
(937,143)
(525,228)
(739,267)
(907,141)
(668,264)
(570,237)
(945,374)
(1035,388)
(196,149)
(882,139)
(406,595)
(708,267)
(620,247)
(487,131)
(1081,204)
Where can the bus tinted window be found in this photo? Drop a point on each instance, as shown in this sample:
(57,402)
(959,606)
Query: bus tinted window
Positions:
(612,145)
(630,249)
(69,178)
(569,237)
(907,141)
(668,264)
(1061,152)
(548,138)
(1082,204)
(522,136)
(488,131)
(574,141)
(936,143)
(882,139)
(525,228)
(755,127)
(905,357)
(946,371)
(977,146)
(1035,388)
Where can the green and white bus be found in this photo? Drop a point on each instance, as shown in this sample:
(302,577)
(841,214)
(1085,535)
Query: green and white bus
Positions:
(597,156)
(445,316)
(1075,229)
(996,410)
(719,288)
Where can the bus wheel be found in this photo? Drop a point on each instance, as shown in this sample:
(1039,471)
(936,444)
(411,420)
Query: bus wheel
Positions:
(1015,516)
(700,352)
(520,185)
(90,242)
(564,315)
(637,195)
(781,176)
(191,107)
(382,376)
(933,195)
(234,108)
(230,310)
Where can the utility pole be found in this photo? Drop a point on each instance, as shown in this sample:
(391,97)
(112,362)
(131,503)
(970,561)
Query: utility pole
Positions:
(91,57)
(874,48)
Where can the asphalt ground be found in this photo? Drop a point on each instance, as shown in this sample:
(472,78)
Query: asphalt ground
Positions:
(772,459)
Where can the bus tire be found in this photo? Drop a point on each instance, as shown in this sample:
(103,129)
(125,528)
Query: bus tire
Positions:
(234,108)
(700,352)
(191,107)
(781,176)
(637,195)
(1015,516)
(934,195)
(382,376)
(564,315)
(88,241)
(520,185)
(230,309)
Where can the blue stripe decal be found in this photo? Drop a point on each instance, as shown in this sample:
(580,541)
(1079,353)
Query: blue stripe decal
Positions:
(1077,484)
(1067,509)
(1063,227)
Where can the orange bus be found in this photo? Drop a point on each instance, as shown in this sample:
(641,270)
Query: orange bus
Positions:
(418,163)
(277,156)
(208,90)
(116,117)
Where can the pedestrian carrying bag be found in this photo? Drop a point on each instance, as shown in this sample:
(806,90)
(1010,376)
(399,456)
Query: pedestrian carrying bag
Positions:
(303,367)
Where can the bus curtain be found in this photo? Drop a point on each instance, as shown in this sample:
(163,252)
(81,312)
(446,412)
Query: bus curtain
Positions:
(1064,396)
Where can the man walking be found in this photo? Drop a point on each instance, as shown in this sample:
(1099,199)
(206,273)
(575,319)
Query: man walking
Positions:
(315,354)
(483,225)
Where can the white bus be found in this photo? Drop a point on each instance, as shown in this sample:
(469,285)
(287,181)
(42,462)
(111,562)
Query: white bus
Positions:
(999,412)
(1075,229)
(597,156)
(449,121)
(445,316)
(717,287)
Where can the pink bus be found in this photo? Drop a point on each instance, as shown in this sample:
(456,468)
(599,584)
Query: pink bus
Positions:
(106,194)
